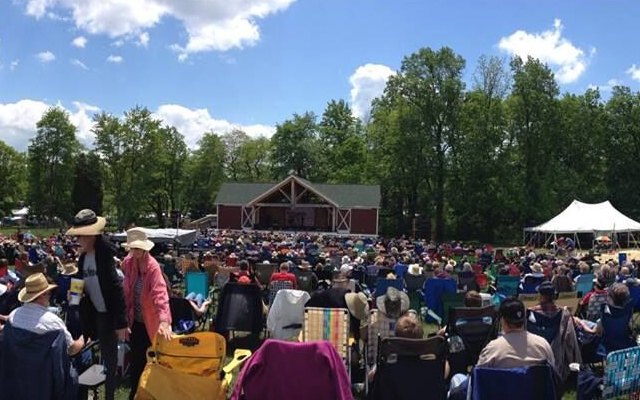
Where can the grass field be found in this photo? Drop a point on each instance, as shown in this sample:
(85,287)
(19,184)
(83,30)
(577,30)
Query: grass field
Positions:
(41,232)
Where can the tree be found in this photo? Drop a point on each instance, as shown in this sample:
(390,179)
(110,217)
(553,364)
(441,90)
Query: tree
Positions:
(87,186)
(13,178)
(295,148)
(254,156)
(52,154)
(205,174)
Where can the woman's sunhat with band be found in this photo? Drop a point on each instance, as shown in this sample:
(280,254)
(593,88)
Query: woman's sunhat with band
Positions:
(137,239)
(86,223)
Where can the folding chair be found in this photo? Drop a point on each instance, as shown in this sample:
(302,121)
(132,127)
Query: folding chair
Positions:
(286,314)
(183,318)
(615,328)
(304,280)
(188,368)
(329,324)
(475,326)
(379,326)
(622,373)
(584,284)
(382,284)
(263,273)
(534,382)
(449,301)
(507,285)
(275,287)
(530,284)
(434,288)
(543,325)
(594,308)
(634,294)
(240,310)
(408,367)
(197,282)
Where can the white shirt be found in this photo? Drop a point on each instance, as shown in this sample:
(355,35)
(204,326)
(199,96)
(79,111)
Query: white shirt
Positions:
(35,318)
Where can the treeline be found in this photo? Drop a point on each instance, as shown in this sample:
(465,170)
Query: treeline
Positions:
(479,162)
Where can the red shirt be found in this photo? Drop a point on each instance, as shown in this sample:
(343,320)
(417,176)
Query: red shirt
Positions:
(284,276)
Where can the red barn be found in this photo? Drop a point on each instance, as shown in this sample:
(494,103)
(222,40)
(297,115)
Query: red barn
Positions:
(296,204)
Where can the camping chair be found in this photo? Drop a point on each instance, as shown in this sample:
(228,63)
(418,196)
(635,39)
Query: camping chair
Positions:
(406,367)
(530,284)
(535,382)
(188,368)
(584,284)
(379,325)
(622,373)
(304,280)
(475,327)
(183,319)
(263,273)
(634,294)
(434,288)
(169,268)
(276,286)
(467,283)
(286,314)
(482,280)
(414,286)
(198,283)
(594,308)
(542,325)
(382,284)
(285,370)
(329,324)
(449,301)
(189,265)
(507,285)
(615,328)
(240,309)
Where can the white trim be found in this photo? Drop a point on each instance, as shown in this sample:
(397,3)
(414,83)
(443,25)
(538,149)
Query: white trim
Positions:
(283,182)
(343,214)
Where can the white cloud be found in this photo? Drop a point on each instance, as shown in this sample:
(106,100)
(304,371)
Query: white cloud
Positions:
(14,64)
(80,42)
(549,47)
(611,83)
(18,121)
(367,83)
(143,39)
(45,57)
(210,25)
(194,123)
(634,72)
(118,43)
(78,63)
(115,59)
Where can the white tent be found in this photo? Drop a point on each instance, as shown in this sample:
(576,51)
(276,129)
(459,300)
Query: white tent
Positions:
(22,212)
(588,218)
(184,236)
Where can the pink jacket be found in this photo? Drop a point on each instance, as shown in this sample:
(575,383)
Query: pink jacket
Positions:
(155,299)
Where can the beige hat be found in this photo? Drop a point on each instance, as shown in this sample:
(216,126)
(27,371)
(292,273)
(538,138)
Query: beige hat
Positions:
(137,239)
(357,305)
(69,269)
(86,223)
(394,303)
(415,269)
(34,286)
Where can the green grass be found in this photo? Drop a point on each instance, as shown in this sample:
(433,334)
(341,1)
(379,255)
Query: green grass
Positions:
(40,232)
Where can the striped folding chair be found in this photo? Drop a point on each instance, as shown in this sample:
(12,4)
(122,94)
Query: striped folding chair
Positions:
(379,326)
(328,324)
(622,373)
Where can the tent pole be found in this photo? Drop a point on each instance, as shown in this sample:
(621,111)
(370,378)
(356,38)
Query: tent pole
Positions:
(575,236)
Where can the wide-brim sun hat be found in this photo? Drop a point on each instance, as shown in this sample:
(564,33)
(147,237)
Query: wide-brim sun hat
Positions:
(357,304)
(86,223)
(34,286)
(69,269)
(137,239)
(394,303)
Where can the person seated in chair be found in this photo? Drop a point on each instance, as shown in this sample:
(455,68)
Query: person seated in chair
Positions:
(284,275)
(472,299)
(618,296)
(599,287)
(34,315)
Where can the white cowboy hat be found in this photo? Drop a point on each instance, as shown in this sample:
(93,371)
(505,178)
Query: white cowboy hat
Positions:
(137,239)
(34,286)
(86,223)
(415,269)
(394,303)
(357,304)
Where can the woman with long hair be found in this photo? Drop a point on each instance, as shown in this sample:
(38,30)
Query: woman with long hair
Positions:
(102,308)
(146,299)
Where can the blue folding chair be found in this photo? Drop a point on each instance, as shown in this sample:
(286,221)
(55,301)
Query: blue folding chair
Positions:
(507,285)
(622,373)
(584,284)
(382,284)
(198,283)
(530,284)
(542,325)
(615,328)
(634,294)
(535,382)
(433,291)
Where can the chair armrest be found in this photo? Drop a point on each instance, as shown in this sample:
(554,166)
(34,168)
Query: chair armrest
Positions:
(239,357)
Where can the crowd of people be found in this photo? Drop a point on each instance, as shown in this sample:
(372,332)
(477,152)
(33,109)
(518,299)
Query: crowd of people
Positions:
(126,288)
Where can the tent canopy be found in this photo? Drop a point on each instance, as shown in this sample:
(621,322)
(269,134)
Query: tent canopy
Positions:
(184,236)
(20,212)
(588,218)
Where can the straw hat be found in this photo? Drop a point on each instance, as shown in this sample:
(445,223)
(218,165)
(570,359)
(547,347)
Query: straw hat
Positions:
(137,239)
(357,305)
(34,286)
(304,265)
(415,269)
(394,303)
(86,223)
(69,269)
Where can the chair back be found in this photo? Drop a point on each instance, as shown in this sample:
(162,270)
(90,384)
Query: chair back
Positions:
(239,309)
(382,284)
(507,285)
(543,325)
(531,283)
(198,283)
(534,382)
(634,294)
(434,288)
(622,373)
(263,272)
(408,366)
(468,283)
(328,324)
(286,314)
(615,327)
(379,325)
(304,280)
(182,315)
(475,326)
(594,308)
(414,282)
(275,287)
(449,301)
(584,284)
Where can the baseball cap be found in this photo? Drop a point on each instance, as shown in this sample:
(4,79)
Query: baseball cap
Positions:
(512,310)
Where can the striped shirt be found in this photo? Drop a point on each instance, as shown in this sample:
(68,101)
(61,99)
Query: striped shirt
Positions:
(137,299)
(36,318)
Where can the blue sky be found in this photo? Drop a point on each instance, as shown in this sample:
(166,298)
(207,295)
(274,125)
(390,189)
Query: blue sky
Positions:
(219,64)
